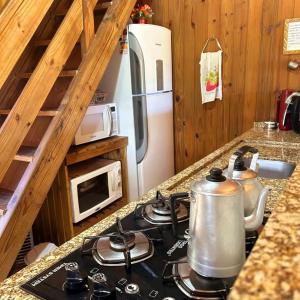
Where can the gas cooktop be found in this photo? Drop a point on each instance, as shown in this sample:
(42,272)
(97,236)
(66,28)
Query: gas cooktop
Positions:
(142,256)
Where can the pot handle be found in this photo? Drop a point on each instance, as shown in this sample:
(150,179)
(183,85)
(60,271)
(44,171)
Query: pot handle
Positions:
(245,149)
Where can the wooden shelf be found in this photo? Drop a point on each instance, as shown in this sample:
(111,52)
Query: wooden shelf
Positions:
(98,8)
(25,154)
(5,196)
(87,151)
(43,113)
(65,73)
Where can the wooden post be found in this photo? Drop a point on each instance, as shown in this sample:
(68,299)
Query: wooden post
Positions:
(88,24)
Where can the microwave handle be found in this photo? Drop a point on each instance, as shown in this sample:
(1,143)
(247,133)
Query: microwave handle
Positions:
(110,120)
(107,117)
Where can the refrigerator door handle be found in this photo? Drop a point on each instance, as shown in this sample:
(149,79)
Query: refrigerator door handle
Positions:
(141,127)
(137,66)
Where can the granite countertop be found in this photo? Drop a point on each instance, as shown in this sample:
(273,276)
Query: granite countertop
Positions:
(272,271)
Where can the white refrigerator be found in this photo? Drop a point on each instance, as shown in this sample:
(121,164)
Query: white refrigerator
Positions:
(140,82)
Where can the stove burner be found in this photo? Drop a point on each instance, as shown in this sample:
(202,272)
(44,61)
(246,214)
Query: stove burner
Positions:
(158,210)
(195,286)
(162,206)
(121,248)
(119,243)
(105,255)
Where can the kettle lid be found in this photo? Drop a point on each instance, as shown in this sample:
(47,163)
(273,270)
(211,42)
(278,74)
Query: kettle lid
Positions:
(241,172)
(216,184)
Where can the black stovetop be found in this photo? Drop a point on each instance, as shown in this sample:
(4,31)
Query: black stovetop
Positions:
(146,274)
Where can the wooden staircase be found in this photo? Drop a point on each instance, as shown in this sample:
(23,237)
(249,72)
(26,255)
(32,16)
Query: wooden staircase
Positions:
(44,96)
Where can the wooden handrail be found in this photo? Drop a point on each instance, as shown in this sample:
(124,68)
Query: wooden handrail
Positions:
(38,177)
(24,112)
(19,20)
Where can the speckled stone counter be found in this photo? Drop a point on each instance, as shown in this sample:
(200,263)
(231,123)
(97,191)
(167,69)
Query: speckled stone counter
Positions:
(272,271)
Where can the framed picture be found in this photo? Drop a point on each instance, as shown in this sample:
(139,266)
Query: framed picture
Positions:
(291,39)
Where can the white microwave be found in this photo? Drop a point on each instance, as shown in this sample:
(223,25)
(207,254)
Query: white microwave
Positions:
(94,184)
(99,122)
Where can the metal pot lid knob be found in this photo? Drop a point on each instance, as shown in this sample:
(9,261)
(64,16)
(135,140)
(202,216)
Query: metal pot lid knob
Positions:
(216,175)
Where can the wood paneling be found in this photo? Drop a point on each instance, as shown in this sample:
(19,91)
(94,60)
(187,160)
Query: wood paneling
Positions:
(254,68)
(54,222)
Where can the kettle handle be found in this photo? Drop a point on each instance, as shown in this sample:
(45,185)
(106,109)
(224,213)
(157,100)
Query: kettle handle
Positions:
(240,153)
(245,149)
(232,160)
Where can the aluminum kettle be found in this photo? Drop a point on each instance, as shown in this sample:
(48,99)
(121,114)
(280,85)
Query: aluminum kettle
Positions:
(254,192)
(216,246)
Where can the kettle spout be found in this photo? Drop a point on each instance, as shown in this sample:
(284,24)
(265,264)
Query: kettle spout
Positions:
(253,221)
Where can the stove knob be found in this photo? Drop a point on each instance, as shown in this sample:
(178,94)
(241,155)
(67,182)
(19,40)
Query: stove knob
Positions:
(74,281)
(132,291)
(102,289)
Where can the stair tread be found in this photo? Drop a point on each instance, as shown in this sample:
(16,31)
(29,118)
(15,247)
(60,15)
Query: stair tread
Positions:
(25,153)
(45,42)
(99,7)
(42,113)
(5,196)
(64,73)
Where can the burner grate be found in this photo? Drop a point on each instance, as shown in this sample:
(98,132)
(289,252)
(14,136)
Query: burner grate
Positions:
(158,211)
(195,286)
(121,247)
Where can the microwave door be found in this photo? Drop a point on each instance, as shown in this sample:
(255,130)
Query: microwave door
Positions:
(96,124)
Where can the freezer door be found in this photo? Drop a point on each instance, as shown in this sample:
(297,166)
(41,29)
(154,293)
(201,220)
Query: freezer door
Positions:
(155,44)
(158,162)
(137,65)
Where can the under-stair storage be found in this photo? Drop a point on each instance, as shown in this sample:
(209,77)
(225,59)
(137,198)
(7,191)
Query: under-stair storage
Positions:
(10,183)
(54,222)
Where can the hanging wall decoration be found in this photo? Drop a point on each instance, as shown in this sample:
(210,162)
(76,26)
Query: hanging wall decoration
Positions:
(291,39)
(211,73)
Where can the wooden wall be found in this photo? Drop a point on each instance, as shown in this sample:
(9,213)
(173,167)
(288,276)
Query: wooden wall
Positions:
(251,34)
